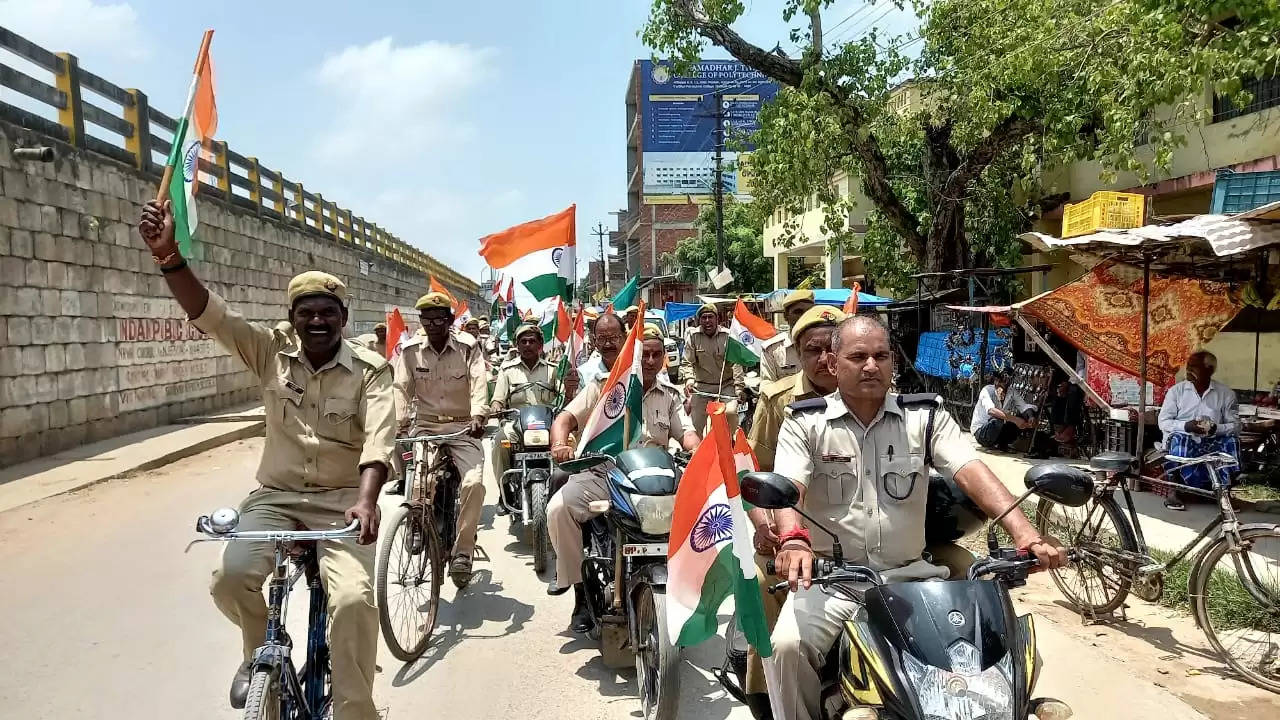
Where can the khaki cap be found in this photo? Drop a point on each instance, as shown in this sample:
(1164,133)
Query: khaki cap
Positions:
(707,308)
(651,332)
(314,282)
(797,296)
(433,300)
(631,309)
(817,316)
(528,327)
(380,326)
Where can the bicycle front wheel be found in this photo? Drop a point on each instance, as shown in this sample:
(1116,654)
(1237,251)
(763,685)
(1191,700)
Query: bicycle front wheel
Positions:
(1099,581)
(263,700)
(408,580)
(1236,599)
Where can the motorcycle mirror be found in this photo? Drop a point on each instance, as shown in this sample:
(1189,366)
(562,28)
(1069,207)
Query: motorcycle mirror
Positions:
(1063,484)
(770,491)
(586,462)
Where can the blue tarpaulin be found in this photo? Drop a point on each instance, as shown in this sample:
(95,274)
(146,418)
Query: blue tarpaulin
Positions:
(934,359)
(679,311)
(838,297)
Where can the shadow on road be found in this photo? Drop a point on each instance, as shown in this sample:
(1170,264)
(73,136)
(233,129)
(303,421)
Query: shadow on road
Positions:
(479,603)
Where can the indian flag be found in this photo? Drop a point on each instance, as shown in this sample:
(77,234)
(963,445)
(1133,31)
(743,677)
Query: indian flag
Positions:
(195,128)
(615,421)
(541,254)
(747,334)
(744,458)
(710,556)
(397,333)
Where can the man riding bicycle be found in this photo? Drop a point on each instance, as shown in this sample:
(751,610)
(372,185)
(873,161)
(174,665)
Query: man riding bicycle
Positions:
(440,388)
(329,435)
(522,371)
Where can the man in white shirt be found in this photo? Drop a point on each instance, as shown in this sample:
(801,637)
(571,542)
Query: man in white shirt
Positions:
(1199,416)
(1000,413)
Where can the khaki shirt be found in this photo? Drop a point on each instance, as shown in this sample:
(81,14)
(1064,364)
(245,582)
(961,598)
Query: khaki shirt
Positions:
(323,424)
(704,365)
(870,484)
(440,387)
(775,396)
(370,340)
(515,373)
(780,358)
(664,416)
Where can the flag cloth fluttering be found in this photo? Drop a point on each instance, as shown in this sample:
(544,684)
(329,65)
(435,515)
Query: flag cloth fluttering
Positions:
(195,130)
(710,556)
(747,334)
(626,297)
(397,333)
(615,422)
(540,253)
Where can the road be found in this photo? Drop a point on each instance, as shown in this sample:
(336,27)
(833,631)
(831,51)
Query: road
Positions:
(106,618)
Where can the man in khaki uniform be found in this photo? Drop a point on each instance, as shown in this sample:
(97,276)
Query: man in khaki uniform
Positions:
(861,455)
(664,421)
(376,340)
(812,332)
(781,357)
(528,367)
(630,315)
(330,428)
(704,370)
(441,383)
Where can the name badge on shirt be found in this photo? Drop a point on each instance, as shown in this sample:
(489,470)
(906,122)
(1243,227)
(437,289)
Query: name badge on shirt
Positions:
(827,457)
(294,387)
(424,371)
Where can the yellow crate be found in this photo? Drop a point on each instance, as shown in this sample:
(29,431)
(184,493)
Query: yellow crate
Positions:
(1103,211)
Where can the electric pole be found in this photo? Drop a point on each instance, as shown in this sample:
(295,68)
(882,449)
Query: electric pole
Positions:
(600,232)
(719,188)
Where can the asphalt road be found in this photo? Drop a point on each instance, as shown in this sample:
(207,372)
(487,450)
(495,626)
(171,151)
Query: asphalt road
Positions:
(105,617)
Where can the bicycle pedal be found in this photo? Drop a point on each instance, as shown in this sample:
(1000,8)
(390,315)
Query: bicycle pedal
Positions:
(1149,569)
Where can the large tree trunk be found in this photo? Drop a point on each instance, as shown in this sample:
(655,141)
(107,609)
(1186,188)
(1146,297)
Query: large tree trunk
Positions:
(947,246)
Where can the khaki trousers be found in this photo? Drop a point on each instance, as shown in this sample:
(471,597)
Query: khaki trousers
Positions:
(499,457)
(566,511)
(468,458)
(698,407)
(345,570)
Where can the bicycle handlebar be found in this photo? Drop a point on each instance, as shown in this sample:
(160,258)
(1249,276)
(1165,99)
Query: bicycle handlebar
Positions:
(429,438)
(1216,458)
(349,532)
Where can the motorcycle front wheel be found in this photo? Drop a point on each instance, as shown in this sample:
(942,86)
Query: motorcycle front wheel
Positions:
(657,659)
(539,537)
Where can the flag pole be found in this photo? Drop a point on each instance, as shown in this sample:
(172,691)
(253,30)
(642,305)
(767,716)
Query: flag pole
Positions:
(202,57)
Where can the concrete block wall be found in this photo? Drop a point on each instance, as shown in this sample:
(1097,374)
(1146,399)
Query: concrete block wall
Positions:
(91,343)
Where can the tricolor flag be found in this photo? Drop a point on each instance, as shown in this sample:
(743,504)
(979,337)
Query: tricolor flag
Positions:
(851,305)
(710,555)
(747,334)
(744,458)
(540,253)
(616,420)
(397,333)
(626,297)
(195,130)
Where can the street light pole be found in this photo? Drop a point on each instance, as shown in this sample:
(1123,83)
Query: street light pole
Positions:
(719,188)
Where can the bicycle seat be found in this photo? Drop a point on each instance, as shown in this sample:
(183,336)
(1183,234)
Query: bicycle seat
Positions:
(1111,461)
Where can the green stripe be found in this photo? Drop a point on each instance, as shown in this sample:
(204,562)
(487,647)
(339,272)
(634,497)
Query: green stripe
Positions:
(738,354)
(725,578)
(611,442)
(547,286)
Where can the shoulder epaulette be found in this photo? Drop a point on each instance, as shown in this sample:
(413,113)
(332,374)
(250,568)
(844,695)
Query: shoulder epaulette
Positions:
(799,406)
(465,338)
(779,338)
(367,356)
(919,400)
(509,362)
(415,340)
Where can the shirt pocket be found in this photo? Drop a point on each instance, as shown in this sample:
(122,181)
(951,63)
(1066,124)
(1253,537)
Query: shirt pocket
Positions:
(902,478)
(281,402)
(836,480)
(337,421)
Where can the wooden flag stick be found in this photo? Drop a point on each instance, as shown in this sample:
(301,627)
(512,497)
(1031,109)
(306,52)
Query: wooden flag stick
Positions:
(202,57)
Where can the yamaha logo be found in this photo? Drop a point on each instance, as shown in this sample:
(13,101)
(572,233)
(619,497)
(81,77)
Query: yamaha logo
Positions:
(955,618)
(615,401)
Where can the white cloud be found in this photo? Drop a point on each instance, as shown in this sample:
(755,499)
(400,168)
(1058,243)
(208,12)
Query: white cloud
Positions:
(82,27)
(398,99)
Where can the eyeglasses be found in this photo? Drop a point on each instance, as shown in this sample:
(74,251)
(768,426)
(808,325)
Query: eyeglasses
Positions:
(437,321)
(608,339)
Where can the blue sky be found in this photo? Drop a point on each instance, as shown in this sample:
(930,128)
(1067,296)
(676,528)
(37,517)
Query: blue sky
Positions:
(440,121)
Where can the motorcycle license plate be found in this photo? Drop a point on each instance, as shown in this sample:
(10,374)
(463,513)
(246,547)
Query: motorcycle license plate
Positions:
(644,549)
(535,456)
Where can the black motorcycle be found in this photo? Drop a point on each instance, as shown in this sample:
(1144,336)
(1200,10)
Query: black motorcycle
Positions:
(932,650)
(624,571)
(525,488)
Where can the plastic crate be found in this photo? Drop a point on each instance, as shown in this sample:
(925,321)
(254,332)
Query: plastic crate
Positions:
(1236,192)
(1103,210)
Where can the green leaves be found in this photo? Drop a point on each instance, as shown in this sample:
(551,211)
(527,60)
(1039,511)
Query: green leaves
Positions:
(744,249)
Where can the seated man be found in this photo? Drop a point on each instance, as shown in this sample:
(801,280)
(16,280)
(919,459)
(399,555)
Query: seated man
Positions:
(1000,413)
(664,421)
(1199,416)
(528,367)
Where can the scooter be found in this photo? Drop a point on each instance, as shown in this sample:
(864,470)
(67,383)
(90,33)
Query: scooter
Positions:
(933,650)
(523,491)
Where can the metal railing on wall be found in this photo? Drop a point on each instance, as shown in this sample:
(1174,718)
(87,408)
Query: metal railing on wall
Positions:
(84,100)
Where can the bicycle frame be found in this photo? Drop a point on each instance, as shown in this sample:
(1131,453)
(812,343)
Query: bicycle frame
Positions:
(302,696)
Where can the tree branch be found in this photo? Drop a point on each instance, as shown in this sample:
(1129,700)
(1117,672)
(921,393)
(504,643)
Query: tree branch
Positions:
(779,67)
(1005,134)
(815,36)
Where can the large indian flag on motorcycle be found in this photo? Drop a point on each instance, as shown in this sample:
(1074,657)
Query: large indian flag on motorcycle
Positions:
(616,420)
(710,556)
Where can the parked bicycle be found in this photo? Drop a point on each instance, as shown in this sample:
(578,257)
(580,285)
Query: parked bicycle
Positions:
(417,536)
(1234,581)
(277,689)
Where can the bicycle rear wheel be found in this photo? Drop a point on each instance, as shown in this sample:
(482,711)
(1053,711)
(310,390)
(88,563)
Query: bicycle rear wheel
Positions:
(1099,581)
(263,700)
(1236,599)
(407,584)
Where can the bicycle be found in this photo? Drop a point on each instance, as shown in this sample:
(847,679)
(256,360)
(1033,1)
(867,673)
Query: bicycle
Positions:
(277,690)
(413,558)
(1237,606)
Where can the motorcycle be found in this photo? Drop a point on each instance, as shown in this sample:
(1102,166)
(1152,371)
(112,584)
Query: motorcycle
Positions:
(624,570)
(933,650)
(524,489)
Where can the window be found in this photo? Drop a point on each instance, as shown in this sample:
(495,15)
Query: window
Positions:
(1266,94)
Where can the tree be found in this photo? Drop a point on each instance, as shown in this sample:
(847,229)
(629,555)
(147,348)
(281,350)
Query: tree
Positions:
(743,254)
(1006,89)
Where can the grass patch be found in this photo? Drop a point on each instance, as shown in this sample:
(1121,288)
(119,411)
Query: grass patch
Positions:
(1255,492)
(1229,604)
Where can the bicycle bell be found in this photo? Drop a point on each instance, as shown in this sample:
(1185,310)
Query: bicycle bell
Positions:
(224,520)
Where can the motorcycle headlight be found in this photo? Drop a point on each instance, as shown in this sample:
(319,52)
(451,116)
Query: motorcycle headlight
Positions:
(655,512)
(966,694)
(534,438)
